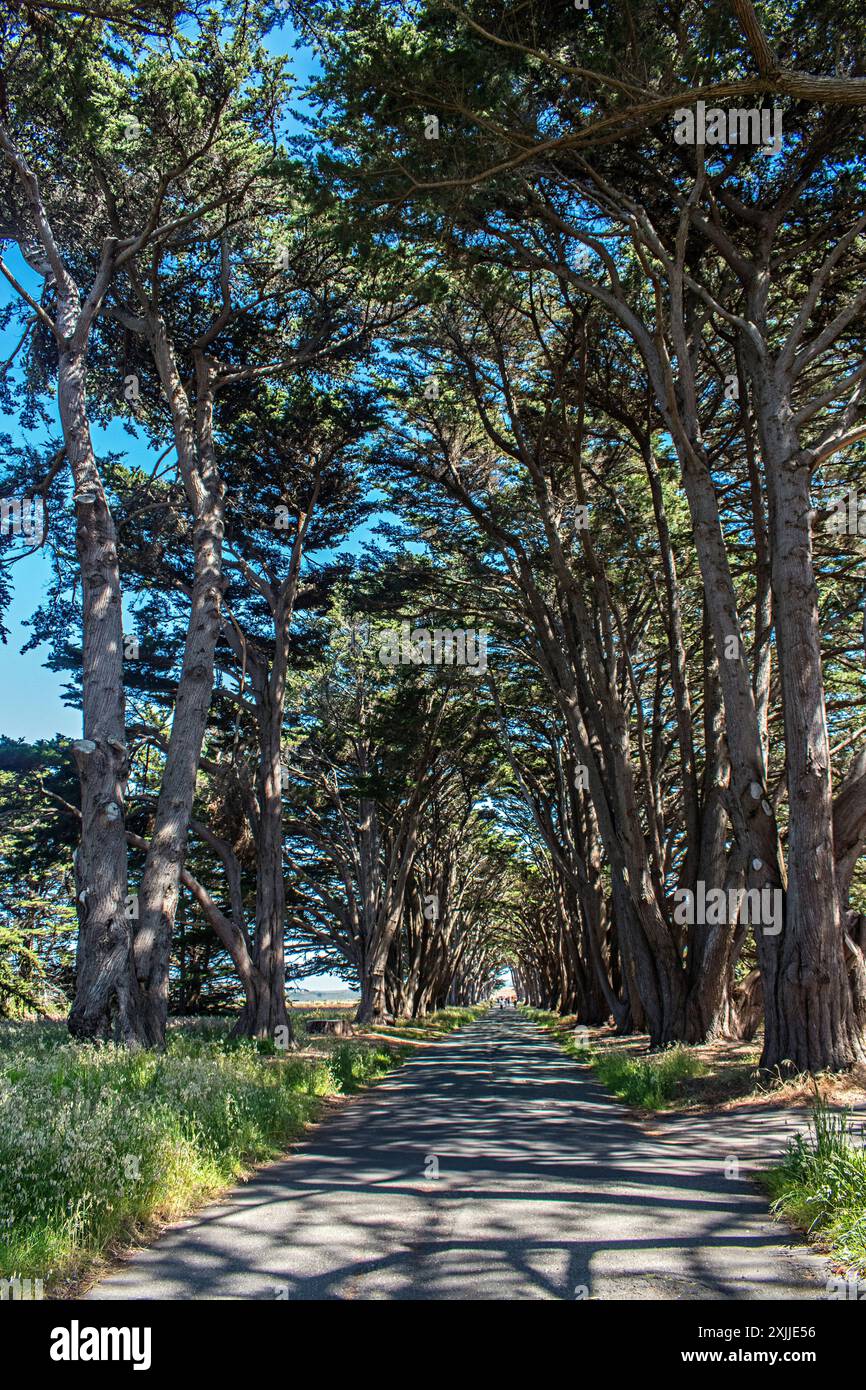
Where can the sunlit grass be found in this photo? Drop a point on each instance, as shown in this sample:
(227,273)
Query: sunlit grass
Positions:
(442,1021)
(820,1184)
(97,1142)
(650,1083)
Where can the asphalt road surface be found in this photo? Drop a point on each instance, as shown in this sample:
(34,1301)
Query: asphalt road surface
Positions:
(490,1166)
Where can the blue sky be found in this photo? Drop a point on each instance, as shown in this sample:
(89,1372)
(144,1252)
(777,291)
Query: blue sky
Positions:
(30,703)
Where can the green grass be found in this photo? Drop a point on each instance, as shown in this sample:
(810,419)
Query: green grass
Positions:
(545,1018)
(444,1021)
(572,1042)
(96,1142)
(650,1083)
(820,1184)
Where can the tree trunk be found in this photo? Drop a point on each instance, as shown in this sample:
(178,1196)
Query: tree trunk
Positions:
(165,859)
(372,1006)
(809,1018)
(268,1010)
(106,1003)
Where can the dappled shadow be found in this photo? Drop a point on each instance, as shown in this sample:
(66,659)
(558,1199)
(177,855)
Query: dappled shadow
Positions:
(492,1168)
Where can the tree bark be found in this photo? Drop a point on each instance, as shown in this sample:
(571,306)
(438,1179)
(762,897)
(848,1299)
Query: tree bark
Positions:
(106,1003)
(809,1018)
(168,842)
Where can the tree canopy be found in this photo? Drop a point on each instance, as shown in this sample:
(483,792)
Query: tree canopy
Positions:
(473,580)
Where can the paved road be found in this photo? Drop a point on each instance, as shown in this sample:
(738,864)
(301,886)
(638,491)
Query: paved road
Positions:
(545,1189)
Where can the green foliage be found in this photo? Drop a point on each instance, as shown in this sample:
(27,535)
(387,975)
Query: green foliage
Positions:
(648,1082)
(574,1046)
(445,1020)
(821,1185)
(97,1141)
(442,1021)
(545,1018)
(37,911)
(544,411)
(354,1065)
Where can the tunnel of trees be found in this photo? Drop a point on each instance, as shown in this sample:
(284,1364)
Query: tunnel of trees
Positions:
(447,473)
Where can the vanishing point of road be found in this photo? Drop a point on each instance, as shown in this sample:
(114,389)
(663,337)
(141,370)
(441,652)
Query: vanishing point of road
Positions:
(491,1166)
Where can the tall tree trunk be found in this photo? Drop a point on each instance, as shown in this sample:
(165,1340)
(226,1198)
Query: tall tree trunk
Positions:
(205,493)
(165,859)
(711,946)
(809,1017)
(371,1008)
(106,1003)
(106,997)
(267,1009)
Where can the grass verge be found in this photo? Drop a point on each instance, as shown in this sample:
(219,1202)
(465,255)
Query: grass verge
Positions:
(441,1023)
(820,1185)
(648,1083)
(98,1144)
